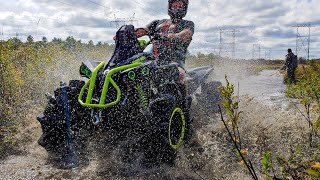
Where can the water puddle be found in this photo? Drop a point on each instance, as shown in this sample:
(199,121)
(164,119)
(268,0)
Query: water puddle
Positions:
(267,87)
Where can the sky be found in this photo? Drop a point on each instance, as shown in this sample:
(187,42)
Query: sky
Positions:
(257,28)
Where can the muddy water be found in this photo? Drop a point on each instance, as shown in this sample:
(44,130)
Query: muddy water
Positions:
(266,87)
(268,121)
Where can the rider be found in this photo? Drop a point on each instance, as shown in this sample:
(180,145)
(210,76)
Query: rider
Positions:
(172,36)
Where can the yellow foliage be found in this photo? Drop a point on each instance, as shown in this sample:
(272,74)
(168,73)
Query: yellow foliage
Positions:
(244,152)
(317,166)
(236,140)
(245,166)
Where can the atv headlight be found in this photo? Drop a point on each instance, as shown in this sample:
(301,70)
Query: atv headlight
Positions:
(85,71)
(131,75)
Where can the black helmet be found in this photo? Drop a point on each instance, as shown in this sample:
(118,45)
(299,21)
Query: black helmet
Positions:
(179,13)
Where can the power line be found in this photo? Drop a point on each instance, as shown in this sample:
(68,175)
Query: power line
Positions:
(139,3)
(117,21)
(93,12)
(64,3)
(96,3)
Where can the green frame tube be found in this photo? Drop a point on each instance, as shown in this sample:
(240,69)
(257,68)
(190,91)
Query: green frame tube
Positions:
(105,88)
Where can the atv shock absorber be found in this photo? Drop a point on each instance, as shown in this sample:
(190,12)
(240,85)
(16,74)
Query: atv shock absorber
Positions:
(143,99)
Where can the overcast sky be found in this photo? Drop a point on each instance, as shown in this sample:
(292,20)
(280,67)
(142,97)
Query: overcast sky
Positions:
(270,24)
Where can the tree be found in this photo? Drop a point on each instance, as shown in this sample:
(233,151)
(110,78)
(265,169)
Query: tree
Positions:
(30,39)
(90,44)
(70,42)
(44,40)
(56,40)
(14,43)
(200,55)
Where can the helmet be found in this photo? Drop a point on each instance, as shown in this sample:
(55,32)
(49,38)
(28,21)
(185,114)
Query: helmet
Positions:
(178,13)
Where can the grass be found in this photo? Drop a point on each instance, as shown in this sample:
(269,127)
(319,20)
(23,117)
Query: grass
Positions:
(308,81)
(305,161)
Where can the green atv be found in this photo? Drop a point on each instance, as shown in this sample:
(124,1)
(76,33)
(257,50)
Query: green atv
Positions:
(130,94)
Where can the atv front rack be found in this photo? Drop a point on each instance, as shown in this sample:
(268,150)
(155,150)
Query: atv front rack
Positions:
(92,81)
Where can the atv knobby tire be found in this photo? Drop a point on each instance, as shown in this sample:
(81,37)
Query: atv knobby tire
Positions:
(173,129)
(53,123)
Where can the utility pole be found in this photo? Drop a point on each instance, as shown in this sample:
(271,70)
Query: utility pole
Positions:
(17,33)
(227,42)
(303,40)
(2,73)
(116,21)
(2,35)
(256,49)
(267,54)
(220,45)
(131,19)
(123,21)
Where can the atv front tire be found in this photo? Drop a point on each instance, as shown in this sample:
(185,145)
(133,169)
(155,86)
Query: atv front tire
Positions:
(164,141)
(53,123)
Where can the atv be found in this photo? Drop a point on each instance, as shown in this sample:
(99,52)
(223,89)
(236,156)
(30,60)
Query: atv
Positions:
(130,94)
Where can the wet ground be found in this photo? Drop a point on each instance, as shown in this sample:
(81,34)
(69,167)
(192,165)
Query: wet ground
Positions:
(268,121)
(266,87)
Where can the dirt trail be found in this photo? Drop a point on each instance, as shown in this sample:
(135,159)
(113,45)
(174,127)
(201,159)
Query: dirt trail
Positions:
(263,126)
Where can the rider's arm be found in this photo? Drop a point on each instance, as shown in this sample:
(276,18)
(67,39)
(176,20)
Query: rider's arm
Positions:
(287,62)
(186,34)
(183,36)
(150,28)
(141,32)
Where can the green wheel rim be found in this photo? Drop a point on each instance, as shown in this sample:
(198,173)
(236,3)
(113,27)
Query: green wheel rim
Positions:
(176,146)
